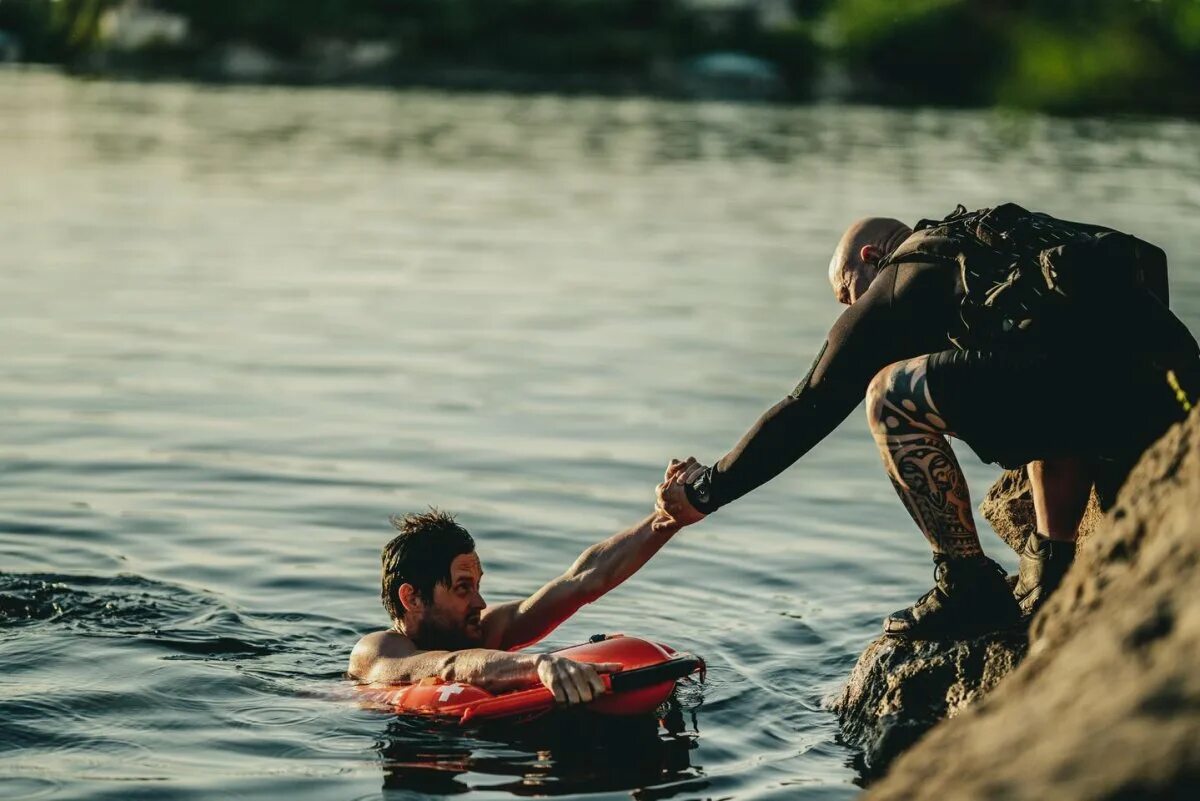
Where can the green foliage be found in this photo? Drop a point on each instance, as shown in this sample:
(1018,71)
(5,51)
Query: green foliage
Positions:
(1078,70)
(945,51)
(1182,18)
(77,23)
(1124,55)
(54,30)
(1061,55)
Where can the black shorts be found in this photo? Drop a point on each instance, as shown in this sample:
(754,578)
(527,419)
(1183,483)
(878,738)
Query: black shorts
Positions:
(1013,408)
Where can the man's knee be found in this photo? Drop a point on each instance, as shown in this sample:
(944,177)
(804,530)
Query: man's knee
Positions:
(898,401)
(882,395)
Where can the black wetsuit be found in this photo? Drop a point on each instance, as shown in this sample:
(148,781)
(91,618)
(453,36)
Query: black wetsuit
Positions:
(1102,400)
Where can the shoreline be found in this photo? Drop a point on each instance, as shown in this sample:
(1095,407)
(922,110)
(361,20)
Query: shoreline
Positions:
(467,82)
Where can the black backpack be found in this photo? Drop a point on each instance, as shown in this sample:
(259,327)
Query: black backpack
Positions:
(1032,280)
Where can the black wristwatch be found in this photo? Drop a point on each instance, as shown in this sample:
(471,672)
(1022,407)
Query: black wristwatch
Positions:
(699,493)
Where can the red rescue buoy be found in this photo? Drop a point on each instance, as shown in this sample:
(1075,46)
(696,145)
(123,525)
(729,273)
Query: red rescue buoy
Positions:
(647,676)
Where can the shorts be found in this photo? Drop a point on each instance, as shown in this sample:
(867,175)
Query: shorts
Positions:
(1013,408)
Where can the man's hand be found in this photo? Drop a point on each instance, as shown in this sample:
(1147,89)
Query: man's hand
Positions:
(672,505)
(573,682)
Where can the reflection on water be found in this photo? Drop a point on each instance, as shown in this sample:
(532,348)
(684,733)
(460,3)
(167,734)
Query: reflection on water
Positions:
(241,326)
(561,754)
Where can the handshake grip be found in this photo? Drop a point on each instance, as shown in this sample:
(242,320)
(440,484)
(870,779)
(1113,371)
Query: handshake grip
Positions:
(684,483)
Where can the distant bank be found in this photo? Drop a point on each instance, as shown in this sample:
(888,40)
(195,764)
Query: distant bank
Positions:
(1113,56)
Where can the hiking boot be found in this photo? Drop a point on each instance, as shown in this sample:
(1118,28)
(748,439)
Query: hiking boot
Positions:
(1044,562)
(972,596)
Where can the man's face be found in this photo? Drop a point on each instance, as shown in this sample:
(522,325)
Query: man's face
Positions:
(451,620)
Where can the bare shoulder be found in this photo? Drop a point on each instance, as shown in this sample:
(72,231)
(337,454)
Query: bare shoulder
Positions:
(375,646)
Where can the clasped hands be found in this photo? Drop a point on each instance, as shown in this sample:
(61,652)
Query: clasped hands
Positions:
(672,507)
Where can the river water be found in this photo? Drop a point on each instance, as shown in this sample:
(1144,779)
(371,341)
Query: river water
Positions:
(239,327)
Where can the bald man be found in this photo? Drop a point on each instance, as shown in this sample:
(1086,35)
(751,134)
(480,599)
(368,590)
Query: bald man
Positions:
(857,257)
(1066,412)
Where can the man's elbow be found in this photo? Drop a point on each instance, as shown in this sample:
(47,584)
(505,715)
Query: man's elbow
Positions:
(591,584)
(590,576)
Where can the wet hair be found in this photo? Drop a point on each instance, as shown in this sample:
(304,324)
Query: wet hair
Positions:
(420,555)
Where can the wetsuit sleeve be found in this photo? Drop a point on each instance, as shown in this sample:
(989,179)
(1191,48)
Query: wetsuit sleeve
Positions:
(862,341)
(1156,273)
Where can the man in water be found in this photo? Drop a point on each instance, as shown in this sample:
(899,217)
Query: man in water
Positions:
(1063,412)
(442,628)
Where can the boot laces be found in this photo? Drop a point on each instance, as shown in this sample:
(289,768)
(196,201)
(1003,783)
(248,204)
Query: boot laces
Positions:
(941,569)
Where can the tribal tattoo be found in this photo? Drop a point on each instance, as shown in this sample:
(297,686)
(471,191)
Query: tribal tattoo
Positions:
(911,435)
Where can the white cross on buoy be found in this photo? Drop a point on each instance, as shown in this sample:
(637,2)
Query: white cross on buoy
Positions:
(449,691)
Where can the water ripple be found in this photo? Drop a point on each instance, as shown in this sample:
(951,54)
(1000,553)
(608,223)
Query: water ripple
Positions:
(242,325)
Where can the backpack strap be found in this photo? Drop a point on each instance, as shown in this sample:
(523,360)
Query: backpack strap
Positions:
(924,245)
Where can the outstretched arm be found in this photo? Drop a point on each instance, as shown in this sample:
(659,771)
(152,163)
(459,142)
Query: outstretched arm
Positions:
(862,341)
(597,570)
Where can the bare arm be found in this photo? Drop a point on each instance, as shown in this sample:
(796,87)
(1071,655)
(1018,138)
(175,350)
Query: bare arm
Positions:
(597,570)
(387,657)
(391,658)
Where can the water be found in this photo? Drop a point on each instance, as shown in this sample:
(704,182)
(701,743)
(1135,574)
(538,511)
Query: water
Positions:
(240,327)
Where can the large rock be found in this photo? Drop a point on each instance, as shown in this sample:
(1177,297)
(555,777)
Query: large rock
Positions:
(1008,506)
(899,689)
(1107,703)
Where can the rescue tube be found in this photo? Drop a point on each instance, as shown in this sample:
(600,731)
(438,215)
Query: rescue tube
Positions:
(648,675)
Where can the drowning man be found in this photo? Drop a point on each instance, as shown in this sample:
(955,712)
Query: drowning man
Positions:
(1038,342)
(442,628)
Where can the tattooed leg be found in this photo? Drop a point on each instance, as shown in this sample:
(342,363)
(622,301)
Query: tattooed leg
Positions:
(911,435)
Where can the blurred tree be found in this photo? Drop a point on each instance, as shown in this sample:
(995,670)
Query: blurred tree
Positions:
(1106,56)
(54,30)
(1060,55)
(948,51)
(76,24)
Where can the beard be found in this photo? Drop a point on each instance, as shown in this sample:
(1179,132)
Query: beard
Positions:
(438,634)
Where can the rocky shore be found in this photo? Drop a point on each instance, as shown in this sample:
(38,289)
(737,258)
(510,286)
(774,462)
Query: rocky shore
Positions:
(1100,701)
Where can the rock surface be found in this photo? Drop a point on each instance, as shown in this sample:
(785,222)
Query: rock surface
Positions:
(1107,703)
(899,689)
(1008,506)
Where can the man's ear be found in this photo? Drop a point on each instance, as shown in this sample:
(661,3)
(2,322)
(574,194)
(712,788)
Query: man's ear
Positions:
(410,599)
(869,254)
